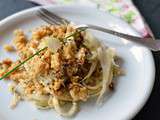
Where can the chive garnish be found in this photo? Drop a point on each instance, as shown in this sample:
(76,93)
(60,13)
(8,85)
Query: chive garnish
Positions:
(78,31)
(19,65)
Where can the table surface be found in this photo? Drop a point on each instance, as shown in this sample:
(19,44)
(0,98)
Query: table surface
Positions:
(150,10)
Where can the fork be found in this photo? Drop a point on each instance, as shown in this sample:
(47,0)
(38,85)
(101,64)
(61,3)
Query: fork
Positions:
(52,18)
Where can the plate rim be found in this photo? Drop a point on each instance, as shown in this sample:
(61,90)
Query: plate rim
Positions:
(152,66)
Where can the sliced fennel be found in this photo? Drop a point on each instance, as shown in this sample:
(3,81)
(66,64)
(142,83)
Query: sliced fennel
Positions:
(91,70)
(105,58)
(68,113)
(52,43)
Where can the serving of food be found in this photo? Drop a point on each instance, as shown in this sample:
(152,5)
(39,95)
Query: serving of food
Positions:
(58,66)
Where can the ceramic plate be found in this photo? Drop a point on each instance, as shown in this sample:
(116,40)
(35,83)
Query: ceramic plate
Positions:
(132,90)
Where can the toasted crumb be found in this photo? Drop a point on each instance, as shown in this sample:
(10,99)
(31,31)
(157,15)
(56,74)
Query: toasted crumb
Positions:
(56,61)
(20,39)
(7,61)
(9,48)
(78,93)
(16,98)
(57,84)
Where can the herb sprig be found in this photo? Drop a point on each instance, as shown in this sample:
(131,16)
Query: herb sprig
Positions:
(16,67)
(79,30)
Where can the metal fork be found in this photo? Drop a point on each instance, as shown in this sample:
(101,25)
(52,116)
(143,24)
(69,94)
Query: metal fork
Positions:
(52,18)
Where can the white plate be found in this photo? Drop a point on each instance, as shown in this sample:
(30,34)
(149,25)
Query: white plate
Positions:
(132,90)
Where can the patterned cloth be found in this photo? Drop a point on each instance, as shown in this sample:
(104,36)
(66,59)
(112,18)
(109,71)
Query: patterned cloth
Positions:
(124,9)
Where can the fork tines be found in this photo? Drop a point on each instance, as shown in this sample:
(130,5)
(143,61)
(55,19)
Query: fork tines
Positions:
(50,17)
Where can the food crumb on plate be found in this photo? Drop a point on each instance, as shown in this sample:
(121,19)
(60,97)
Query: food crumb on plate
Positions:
(8,48)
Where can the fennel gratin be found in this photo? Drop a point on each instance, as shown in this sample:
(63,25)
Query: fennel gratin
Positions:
(71,66)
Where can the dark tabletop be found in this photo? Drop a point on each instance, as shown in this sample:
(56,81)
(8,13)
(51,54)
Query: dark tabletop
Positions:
(150,9)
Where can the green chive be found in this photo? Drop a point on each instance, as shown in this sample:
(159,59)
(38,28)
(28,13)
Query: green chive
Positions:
(73,34)
(19,65)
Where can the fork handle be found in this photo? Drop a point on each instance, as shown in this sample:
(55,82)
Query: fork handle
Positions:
(147,42)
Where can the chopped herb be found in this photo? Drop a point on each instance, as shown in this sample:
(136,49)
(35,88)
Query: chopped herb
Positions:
(79,30)
(19,65)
